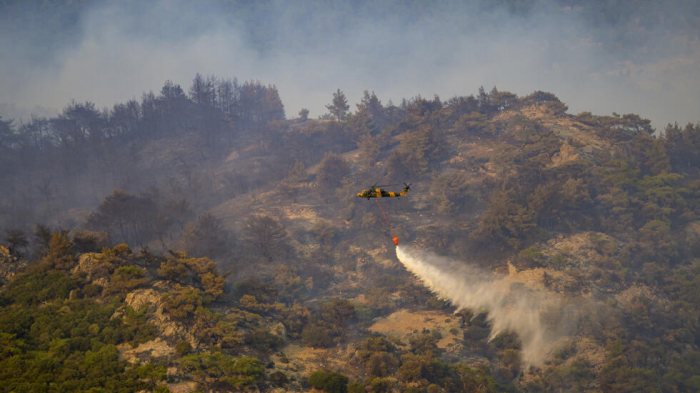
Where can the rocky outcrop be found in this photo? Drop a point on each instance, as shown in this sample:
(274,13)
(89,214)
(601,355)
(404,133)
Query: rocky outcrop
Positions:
(157,349)
(144,298)
(10,264)
(149,299)
(183,387)
(95,267)
(566,154)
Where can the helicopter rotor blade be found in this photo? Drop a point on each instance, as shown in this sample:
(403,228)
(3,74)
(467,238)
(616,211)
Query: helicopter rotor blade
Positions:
(387,185)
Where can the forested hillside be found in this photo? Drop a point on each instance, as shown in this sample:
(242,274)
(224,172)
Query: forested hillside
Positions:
(207,240)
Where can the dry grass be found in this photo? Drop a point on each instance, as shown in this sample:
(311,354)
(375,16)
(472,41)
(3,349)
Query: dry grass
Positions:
(305,360)
(405,323)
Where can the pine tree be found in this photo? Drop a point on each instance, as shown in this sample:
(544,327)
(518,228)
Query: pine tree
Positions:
(60,253)
(339,106)
(304,114)
(16,239)
(658,161)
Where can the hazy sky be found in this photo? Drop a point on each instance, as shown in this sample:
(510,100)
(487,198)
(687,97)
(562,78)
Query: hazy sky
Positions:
(109,52)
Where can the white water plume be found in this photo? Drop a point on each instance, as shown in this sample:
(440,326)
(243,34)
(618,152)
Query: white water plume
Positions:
(510,307)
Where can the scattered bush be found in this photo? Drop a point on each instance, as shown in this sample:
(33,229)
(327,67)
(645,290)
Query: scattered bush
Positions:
(183,348)
(317,336)
(263,340)
(329,382)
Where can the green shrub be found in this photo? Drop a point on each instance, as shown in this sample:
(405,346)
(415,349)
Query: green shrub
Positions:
(182,303)
(338,311)
(126,278)
(263,340)
(437,303)
(183,348)
(241,373)
(32,289)
(356,387)
(122,250)
(329,382)
(69,345)
(248,371)
(381,385)
(423,344)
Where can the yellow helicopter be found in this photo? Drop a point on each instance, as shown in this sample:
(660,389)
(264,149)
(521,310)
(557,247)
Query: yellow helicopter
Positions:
(376,192)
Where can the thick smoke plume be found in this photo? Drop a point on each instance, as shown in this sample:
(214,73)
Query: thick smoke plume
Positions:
(510,306)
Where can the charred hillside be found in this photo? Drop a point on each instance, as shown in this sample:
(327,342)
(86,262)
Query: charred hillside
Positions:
(204,241)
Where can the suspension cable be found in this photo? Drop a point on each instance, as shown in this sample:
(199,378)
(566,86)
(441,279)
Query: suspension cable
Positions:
(391,230)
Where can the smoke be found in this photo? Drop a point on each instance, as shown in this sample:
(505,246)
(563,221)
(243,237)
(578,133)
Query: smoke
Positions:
(510,307)
(112,51)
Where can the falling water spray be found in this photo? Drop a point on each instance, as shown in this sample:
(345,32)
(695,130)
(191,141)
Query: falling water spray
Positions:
(509,307)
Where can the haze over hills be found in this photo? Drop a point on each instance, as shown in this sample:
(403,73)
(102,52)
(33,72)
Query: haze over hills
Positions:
(599,56)
(208,236)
